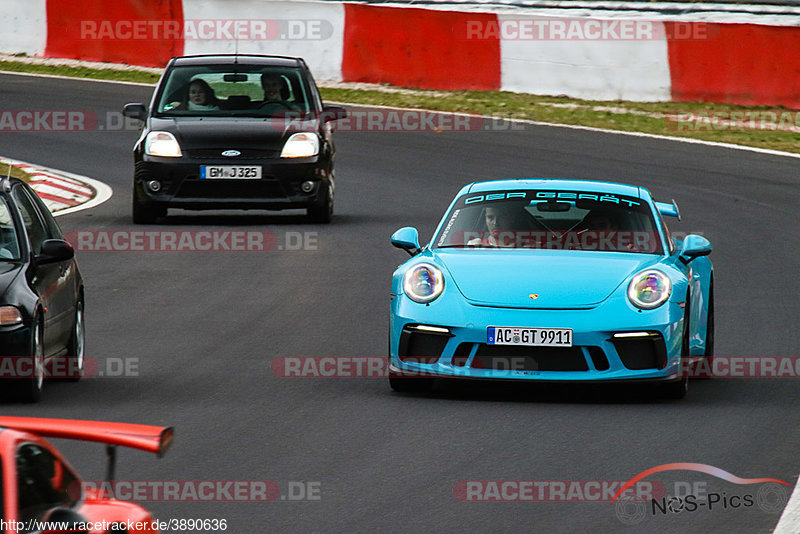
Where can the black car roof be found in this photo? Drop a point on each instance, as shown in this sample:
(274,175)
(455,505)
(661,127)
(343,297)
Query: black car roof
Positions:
(244,59)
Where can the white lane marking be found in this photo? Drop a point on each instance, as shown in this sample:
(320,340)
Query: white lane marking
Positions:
(59,77)
(789,522)
(586,128)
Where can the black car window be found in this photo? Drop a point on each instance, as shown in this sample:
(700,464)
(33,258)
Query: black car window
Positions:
(9,242)
(43,482)
(37,232)
(315,91)
(232,90)
(50,224)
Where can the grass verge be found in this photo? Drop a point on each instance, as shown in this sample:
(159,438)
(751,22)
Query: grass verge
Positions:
(15,172)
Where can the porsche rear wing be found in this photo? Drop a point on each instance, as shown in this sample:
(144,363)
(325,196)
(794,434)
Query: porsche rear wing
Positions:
(153,439)
(669,210)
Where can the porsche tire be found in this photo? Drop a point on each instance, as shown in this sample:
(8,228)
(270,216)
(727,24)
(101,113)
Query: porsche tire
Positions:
(678,389)
(709,352)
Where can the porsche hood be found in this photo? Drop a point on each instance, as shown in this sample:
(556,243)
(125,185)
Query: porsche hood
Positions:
(540,279)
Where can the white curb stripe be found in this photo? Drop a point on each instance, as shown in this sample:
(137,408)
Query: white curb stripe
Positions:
(790,519)
(69,186)
(66,182)
(62,187)
(45,187)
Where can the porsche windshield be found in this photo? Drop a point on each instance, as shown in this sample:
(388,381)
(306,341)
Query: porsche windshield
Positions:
(558,220)
(234,90)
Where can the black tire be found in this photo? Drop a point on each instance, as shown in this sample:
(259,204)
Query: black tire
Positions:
(30,389)
(404,384)
(709,353)
(144,214)
(322,213)
(678,389)
(76,350)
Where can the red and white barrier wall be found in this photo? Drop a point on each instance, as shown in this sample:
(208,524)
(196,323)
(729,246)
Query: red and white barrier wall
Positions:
(428,48)
(25,26)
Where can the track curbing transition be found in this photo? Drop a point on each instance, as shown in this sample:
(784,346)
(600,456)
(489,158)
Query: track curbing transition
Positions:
(63,192)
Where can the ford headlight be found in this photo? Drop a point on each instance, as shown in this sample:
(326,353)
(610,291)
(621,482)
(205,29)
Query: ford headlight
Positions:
(649,289)
(301,145)
(162,144)
(423,283)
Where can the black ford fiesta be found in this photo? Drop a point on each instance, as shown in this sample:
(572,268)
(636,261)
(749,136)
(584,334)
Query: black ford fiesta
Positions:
(234,132)
(41,296)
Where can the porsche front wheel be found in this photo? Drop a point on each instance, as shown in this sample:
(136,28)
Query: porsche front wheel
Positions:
(679,388)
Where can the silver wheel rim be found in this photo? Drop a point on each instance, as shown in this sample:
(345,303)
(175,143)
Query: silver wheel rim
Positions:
(38,358)
(79,339)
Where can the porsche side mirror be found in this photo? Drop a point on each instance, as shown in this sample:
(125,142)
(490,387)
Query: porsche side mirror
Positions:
(407,238)
(693,247)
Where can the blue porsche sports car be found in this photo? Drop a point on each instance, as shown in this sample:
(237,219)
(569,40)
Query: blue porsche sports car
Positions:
(552,280)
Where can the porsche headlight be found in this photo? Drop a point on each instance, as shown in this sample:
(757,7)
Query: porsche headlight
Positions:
(649,289)
(423,283)
(162,144)
(301,145)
